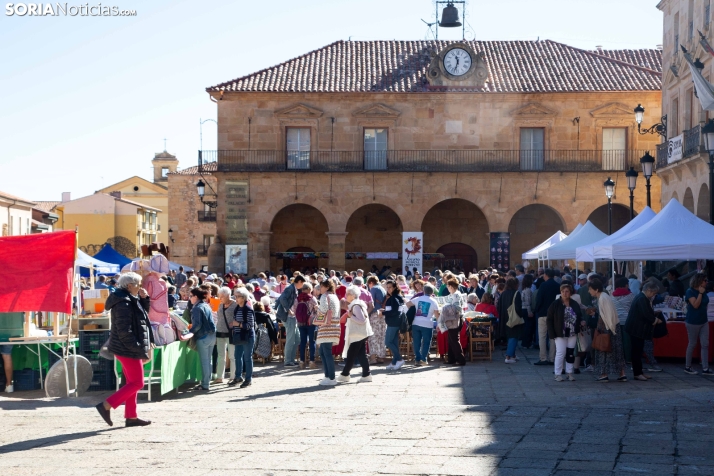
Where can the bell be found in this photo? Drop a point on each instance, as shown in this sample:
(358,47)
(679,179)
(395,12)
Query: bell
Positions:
(450,17)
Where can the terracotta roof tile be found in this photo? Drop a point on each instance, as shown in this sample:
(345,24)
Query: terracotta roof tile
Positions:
(651,59)
(46,206)
(401,66)
(206,170)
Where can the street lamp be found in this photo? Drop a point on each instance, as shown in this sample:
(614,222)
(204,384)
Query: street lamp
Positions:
(609,192)
(632,184)
(201,188)
(647,162)
(708,133)
(659,128)
(171,235)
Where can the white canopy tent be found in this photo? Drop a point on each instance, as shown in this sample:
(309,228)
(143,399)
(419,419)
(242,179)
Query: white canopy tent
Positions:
(674,234)
(556,238)
(589,233)
(587,253)
(85,261)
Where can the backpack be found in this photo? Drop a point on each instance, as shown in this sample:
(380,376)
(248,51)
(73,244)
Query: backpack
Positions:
(302,313)
(451,316)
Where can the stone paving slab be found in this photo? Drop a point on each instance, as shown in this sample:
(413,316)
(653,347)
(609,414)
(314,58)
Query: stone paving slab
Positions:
(483,419)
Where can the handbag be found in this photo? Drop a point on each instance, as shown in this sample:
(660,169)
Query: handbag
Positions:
(104,352)
(513,318)
(323,319)
(601,340)
(230,331)
(191,344)
(263,346)
(660,330)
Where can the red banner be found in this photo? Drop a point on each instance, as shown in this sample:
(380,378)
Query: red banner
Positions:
(36,272)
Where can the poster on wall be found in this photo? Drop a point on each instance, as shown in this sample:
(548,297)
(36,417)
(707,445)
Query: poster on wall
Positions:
(237,259)
(500,250)
(412,248)
(674,148)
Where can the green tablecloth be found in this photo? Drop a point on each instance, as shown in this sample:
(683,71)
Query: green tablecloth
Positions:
(177,364)
(23,358)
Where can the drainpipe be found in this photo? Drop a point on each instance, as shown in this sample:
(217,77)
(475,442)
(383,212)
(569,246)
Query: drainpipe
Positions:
(9,225)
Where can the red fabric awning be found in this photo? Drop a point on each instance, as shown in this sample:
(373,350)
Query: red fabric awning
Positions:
(36,272)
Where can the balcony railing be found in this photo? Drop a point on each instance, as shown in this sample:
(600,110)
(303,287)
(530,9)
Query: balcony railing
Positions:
(422,160)
(207,215)
(690,146)
(201,250)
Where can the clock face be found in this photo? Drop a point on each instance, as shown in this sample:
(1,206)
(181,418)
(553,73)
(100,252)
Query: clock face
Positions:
(457,62)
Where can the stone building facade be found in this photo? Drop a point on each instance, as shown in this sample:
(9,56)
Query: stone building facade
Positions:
(687,179)
(345,147)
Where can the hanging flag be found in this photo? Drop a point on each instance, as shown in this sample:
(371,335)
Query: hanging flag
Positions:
(705,44)
(705,90)
(36,272)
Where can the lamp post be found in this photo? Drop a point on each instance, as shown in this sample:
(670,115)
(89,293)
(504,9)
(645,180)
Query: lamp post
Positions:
(609,192)
(631,184)
(708,133)
(659,128)
(201,188)
(647,162)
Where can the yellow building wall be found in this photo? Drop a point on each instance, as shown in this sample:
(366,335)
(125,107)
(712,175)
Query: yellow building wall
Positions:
(94,229)
(151,198)
(127,226)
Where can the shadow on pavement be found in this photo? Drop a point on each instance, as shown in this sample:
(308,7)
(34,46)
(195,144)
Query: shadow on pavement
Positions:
(51,440)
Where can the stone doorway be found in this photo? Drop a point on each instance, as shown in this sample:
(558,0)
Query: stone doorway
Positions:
(458,257)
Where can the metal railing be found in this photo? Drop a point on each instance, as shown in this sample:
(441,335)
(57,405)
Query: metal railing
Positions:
(691,141)
(423,160)
(206,215)
(201,250)
(690,146)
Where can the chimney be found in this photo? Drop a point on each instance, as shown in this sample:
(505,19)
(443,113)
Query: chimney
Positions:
(659,47)
(598,48)
(115,194)
(66,197)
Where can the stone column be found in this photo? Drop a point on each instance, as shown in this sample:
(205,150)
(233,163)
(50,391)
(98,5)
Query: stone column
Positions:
(336,248)
(259,251)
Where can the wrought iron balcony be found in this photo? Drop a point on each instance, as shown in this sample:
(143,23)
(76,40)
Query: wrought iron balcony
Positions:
(205,215)
(421,160)
(201,250)
(691,146)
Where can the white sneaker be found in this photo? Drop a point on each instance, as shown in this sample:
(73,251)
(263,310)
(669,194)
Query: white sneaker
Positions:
(11,388)
(390,367)
(399,365)
(510,361)
(325,381)
(331,383)
(368,378)
(343,379)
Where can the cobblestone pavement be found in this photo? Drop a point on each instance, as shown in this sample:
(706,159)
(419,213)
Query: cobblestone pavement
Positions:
(482,419)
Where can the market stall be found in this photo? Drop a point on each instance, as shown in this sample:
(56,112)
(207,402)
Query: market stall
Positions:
(533,253)
(674,234)
(587,253)
(21,292)
(89,265)
(566,249)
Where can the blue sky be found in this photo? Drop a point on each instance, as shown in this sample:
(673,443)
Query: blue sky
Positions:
(87,101)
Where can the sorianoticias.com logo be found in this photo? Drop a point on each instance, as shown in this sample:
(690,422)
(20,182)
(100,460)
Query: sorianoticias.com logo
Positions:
(65,9)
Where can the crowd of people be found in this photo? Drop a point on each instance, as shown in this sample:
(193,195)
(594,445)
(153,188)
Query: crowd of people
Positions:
(577,321)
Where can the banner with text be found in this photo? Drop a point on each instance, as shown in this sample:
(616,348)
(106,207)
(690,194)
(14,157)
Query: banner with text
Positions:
(412,242)
(500,250)
(674,148)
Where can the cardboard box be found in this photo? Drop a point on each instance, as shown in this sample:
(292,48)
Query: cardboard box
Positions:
(90,301)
